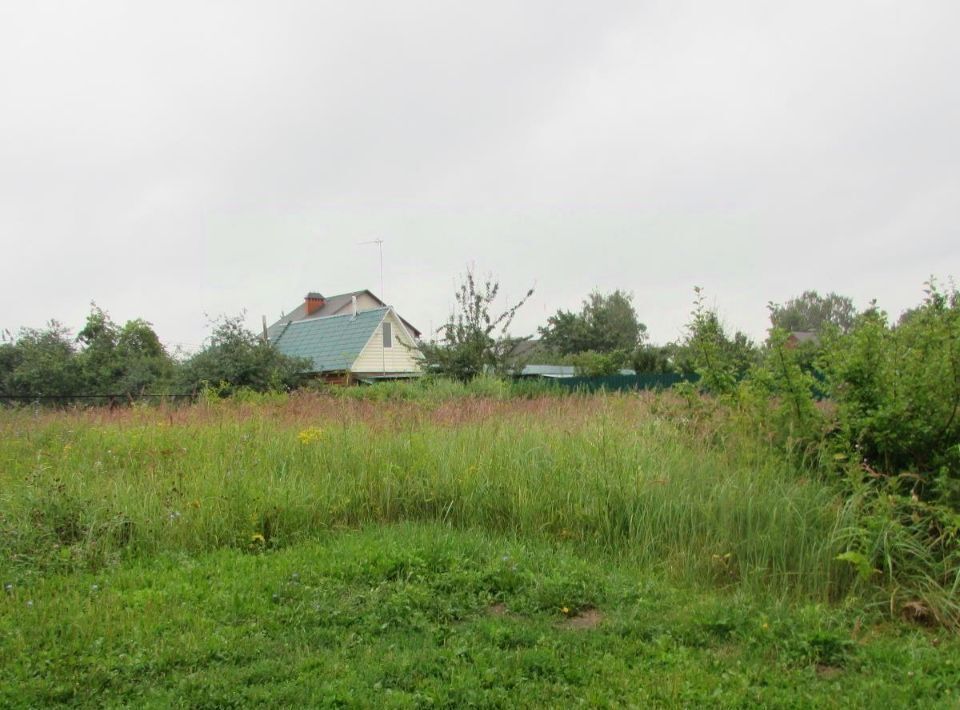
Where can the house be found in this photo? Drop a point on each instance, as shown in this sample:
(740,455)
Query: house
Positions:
(348,337)
(801,337)
(317,305)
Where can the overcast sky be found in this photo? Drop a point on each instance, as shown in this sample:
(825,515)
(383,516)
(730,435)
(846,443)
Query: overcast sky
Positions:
(170,160)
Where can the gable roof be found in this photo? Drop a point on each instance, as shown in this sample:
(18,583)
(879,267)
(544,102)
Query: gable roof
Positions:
(330,307)
(332,343)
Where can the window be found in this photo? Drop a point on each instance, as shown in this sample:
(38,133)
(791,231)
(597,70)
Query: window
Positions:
(387,335)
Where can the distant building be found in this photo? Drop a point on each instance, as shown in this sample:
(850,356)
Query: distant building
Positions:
(349,337)
(801,337)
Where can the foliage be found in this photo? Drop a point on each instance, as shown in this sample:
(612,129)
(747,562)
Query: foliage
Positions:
(811,312)
(783,393)
(590,363)
(720,361)
(605,324)
(897,391)
(40,363)
(110,360)
(121,360)
(235,358)
(887,435)
(654,359)
(474,341)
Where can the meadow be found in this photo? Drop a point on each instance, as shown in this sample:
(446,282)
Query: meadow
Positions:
(495,548)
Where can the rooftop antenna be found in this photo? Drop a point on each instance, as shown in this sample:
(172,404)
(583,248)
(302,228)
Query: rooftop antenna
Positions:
(379,243)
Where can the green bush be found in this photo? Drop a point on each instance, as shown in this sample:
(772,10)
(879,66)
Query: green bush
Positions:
(877,412)
(235,359)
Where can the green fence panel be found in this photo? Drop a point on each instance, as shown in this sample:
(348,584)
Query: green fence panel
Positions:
(624,383)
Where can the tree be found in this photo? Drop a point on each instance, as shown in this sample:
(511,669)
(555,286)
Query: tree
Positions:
(146,362)
(605,324)
(121,360)
(473,341)
(100,365)
(811,312)
(40,363)
(235,357)
(718,359)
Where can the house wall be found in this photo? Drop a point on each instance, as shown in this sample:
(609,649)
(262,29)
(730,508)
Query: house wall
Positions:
(375,358)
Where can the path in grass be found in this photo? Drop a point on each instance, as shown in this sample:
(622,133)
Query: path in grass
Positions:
(410,616)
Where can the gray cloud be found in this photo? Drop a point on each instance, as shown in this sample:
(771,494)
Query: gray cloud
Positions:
(176,159)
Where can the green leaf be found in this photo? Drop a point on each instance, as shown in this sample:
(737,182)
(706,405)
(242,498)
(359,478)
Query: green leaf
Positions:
(860,561)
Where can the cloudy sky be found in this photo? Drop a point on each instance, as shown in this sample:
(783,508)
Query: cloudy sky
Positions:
(171,160)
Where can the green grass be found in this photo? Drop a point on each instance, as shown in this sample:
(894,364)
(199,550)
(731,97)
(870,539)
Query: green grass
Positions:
(604,472)
(414,616)
(374,551)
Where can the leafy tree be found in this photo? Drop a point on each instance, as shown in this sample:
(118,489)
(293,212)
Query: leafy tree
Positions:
(811,312)
(99,363)
(237,358)
(121,360)
(146,363)
(473,340)
(605,324)
(719,360)
(40,363)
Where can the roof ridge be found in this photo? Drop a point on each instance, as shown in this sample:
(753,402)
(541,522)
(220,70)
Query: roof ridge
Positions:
(353,293)
(314,319)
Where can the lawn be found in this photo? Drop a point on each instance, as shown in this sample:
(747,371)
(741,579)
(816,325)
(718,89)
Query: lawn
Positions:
(479,550)
(423,615)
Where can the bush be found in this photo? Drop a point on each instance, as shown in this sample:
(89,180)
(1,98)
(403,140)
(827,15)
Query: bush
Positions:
(236,359)
(595,364)
(886,434)
(897,391)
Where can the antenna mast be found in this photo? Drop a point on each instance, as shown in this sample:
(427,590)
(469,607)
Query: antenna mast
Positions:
(379,243)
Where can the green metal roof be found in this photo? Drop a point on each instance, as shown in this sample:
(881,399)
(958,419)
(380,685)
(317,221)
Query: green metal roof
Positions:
(332,343)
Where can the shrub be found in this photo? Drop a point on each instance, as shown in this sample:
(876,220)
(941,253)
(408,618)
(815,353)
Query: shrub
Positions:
(236,359)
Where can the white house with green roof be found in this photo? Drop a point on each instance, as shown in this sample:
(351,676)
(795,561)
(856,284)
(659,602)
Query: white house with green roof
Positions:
(362,338)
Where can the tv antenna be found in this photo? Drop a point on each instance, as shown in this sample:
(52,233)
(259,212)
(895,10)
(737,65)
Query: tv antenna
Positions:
(379,243)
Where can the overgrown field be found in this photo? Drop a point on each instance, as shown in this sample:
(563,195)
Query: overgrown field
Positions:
(469,549)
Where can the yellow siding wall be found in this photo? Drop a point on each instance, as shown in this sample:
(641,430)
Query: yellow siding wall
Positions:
(375,358)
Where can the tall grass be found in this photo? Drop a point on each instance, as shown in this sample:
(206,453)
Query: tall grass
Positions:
(603,472)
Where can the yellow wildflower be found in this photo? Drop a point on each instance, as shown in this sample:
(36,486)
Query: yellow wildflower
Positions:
(310,435)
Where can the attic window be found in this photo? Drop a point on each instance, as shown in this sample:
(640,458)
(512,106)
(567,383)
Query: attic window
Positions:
(387,335)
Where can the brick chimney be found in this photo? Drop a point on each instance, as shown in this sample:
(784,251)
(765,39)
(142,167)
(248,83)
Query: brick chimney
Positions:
(314,302)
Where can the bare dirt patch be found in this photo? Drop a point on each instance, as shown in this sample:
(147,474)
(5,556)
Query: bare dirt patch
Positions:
(499,609)
(586,619)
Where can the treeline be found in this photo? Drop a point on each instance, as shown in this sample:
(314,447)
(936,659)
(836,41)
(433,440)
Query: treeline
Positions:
(606,335)
(106,359)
